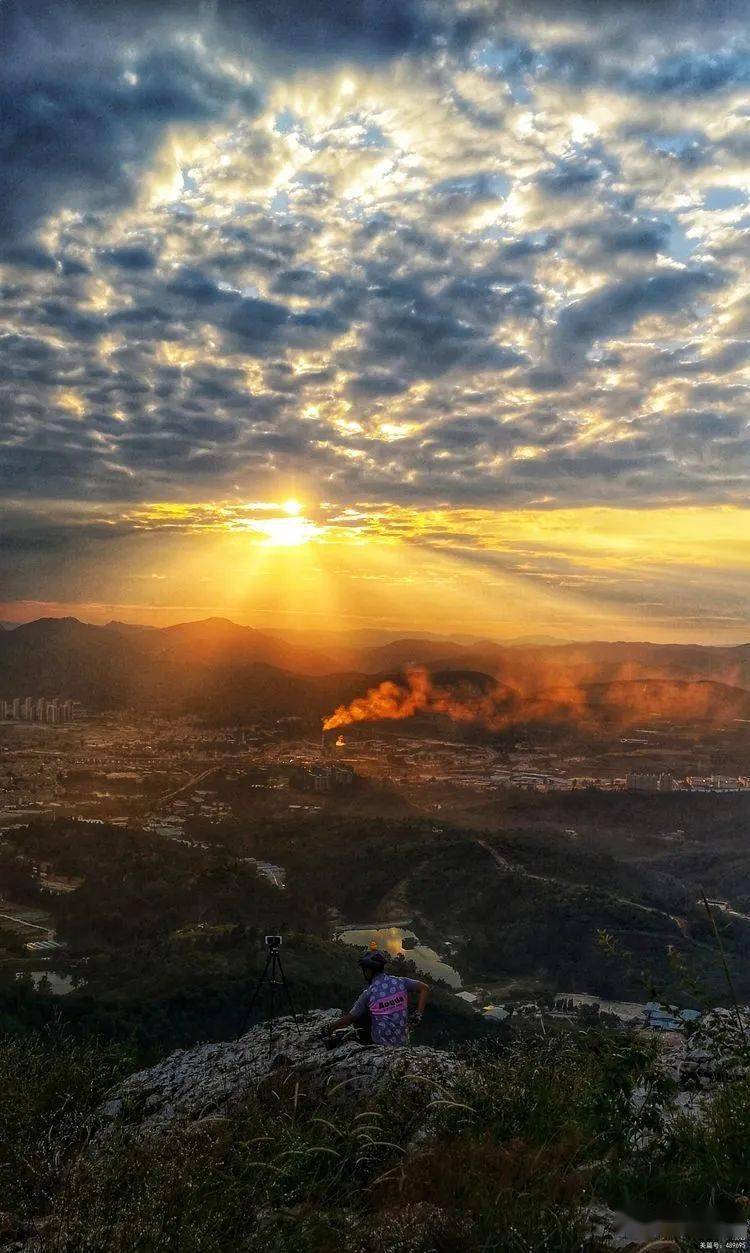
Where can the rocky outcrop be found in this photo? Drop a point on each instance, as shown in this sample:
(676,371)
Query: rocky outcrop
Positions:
(210,1079)
(716,1050)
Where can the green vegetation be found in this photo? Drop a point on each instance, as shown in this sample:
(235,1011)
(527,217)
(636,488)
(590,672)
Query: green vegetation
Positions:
(165,939)
(165,935)
(509,1160)
(50,1084)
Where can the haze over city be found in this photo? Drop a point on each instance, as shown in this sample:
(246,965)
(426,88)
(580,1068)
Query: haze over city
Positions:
(404,316)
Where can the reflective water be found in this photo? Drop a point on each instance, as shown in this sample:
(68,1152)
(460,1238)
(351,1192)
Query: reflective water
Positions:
(58,985)
(402,940)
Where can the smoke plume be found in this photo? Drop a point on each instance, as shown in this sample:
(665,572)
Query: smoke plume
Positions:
(618,702)
(463,701)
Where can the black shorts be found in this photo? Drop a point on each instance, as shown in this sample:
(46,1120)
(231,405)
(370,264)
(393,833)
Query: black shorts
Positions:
(363,1028)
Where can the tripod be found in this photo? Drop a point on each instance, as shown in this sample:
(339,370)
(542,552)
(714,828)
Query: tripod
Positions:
(273,977)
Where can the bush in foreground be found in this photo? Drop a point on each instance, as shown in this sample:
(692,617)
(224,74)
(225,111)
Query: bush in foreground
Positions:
(511,1158)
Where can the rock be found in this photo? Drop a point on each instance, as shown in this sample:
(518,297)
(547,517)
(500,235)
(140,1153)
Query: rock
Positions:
(205,1082)
(604,1224)
(716,1050)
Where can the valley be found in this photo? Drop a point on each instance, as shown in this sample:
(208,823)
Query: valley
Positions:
(531,859)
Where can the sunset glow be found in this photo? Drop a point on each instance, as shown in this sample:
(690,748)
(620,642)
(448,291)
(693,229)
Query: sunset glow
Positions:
(287,532)
(460,333)
(374,543)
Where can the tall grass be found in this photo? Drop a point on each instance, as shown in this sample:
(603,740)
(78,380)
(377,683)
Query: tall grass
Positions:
(50,1085)
(503,1162)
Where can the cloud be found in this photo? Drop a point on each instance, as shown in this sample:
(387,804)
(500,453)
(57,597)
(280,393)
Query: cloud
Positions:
(612,310)
(695,73)
(130,257)
(569,177)
(408,260)
(372,29)
(83,110)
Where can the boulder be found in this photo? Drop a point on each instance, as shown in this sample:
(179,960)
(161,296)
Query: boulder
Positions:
(208,1080)
(715,1051)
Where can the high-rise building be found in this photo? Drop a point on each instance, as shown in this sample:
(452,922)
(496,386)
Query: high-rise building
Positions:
(645,782)
(37,709)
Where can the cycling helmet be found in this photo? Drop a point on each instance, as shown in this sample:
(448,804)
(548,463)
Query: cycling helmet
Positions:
(374,960)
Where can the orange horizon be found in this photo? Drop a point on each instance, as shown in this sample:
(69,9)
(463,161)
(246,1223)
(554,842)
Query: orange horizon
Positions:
(157,617)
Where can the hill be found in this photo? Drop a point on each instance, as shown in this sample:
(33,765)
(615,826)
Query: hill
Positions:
(217,641)
(294,1149)
(545,664)
(177,668)
(225,672)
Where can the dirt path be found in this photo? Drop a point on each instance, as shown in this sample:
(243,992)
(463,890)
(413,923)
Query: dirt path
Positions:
(511,867)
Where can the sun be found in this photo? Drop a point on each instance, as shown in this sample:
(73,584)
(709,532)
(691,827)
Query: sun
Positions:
(287,532)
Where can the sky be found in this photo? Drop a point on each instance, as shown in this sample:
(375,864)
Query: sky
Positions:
(410,314)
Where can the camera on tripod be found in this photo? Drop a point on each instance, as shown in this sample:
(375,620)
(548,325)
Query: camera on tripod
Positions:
(271,982)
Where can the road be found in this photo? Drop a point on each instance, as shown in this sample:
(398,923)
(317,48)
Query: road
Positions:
(513,868)
(23,923)
(726,908)
(166,797)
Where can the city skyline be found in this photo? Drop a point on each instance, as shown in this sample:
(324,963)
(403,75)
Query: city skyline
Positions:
(411,316)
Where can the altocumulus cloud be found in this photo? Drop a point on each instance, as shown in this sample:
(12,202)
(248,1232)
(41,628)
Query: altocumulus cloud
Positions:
(400,251)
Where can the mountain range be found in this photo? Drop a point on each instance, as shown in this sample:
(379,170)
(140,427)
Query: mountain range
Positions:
(227,672)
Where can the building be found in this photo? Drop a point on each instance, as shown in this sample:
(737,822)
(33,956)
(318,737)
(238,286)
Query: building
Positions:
(29,709)
(332,778)
(327,777)
(645,782)
(662,1018)
(716,783)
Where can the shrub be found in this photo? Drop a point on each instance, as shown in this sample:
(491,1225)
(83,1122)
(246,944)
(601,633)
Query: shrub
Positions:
(49,1086)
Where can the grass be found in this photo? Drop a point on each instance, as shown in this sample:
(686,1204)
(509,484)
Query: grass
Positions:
(504,1162)
(50,1085)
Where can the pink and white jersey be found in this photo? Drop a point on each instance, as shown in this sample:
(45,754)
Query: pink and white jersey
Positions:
(387,1000)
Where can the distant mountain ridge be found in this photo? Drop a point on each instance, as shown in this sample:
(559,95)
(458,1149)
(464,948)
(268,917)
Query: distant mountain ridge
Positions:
(226,672)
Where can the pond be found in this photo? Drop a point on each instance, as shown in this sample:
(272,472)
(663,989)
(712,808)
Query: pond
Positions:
(402,941)
(59,985)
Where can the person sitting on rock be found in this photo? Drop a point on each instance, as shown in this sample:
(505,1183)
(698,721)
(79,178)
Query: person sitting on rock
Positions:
(381,1013)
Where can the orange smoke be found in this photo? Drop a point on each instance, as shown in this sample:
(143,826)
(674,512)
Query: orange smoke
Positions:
(618,702)
(495,709)
(387,700)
